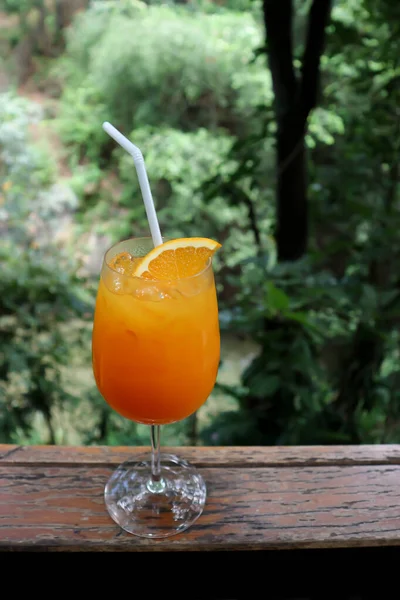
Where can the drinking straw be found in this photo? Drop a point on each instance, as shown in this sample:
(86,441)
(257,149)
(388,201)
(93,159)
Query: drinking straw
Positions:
(142,177)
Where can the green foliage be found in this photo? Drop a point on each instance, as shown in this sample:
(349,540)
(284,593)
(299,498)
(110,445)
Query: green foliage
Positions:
(328,327)
(35,26)
(21,162)
(196,64)
(79,122)
(37,296)
(202,67)
(319,376)
(189,86)
(178,164)
(19,6)
(39,289)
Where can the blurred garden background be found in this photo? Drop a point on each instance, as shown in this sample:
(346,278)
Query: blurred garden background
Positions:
(273,127)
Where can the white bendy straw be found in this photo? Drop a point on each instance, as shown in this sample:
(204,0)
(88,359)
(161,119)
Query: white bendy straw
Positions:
(143,179)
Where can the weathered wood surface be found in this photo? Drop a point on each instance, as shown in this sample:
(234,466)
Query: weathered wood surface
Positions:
(232,456)
(258,498)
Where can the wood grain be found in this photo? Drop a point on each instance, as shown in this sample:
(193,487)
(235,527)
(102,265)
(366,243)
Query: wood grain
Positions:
(242,456)
(52,497)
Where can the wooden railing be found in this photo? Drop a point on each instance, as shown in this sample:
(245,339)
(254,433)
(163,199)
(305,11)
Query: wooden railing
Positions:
(260,499)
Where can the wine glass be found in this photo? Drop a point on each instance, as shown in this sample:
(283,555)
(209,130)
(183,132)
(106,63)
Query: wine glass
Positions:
(156,351)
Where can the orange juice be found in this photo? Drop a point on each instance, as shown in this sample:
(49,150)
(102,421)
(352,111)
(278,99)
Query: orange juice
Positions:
(156,345)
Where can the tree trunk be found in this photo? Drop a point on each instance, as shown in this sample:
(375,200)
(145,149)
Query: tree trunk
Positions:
(192,430)
(295,97)
(59,22)
(292,217)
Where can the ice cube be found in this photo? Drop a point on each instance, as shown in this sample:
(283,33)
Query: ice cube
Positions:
(190,287)
(149,293)
(118,283)
(171,293)
(124,263)
(157,292)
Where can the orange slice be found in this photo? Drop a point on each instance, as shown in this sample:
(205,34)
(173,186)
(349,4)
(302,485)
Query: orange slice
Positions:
(177,259)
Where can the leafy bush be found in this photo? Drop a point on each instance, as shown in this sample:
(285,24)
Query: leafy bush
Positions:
(195,64)
(40,288)
(327,327)
(178,164)
(80,124)
(188,89)
(192,91)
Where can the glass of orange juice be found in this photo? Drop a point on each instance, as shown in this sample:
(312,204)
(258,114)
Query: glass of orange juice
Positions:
(156,351)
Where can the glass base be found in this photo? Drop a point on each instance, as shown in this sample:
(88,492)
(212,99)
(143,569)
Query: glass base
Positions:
(155,509)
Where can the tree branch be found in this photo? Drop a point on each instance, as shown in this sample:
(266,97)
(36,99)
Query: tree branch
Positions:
(278,27)
(247,201)
(394,171)
(318,19)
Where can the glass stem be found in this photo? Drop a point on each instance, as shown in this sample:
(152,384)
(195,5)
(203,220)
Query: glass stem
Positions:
(155,453)
(156,483)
